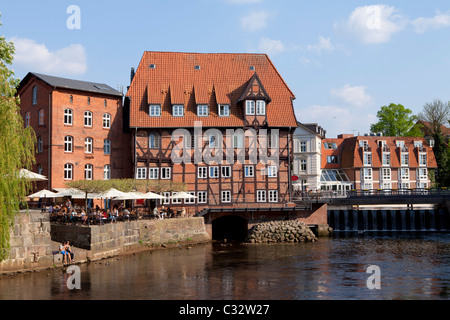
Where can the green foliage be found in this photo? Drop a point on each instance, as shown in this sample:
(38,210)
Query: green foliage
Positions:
(442,154)
(396,121)
(17,145)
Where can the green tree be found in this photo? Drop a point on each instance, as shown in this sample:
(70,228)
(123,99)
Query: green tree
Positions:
(442,154)
(17,146)
(396,121)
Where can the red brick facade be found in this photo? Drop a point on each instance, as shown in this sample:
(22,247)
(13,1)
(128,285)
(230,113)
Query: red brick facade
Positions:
(63,118)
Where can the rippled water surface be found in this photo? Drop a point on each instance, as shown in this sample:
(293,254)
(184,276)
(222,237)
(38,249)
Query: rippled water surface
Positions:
(413,266)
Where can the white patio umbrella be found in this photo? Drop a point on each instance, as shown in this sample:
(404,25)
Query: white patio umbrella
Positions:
(112,193)
(45,194)
(131,196)
(152,195)
(182,195)
(31,176)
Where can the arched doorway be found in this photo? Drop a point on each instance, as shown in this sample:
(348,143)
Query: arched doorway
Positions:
(232,228)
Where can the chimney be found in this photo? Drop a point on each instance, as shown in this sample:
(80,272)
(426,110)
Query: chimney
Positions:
(132,75)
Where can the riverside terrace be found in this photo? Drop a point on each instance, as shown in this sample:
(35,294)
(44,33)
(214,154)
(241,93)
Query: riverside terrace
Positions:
(77,215)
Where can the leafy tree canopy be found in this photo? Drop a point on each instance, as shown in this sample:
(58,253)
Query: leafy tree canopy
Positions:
(396,121)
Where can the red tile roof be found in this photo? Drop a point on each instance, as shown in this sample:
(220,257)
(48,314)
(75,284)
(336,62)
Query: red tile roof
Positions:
(221,79)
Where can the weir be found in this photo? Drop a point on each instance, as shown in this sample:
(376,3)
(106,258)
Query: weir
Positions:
(389,220)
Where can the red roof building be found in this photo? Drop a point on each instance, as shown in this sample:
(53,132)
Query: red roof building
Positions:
(377,162)
(220,92)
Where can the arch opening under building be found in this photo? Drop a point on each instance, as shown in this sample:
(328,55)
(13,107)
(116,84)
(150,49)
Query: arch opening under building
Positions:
(231,228)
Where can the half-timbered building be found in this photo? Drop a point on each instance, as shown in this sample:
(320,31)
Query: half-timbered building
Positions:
(221,123)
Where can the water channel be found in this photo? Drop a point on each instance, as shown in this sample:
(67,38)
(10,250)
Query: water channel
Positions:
(412,266)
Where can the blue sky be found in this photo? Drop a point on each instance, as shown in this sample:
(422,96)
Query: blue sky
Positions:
(342,59)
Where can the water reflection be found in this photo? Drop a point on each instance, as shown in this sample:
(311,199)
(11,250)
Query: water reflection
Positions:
(412,267)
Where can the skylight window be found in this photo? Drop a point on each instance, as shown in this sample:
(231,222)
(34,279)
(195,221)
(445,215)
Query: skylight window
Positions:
(153,66)
(197,67)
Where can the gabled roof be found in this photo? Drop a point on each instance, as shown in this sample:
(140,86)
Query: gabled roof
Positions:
(65,83)
(169,78)
(255,90)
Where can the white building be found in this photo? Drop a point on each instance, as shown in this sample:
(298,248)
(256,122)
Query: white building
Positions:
(307,156)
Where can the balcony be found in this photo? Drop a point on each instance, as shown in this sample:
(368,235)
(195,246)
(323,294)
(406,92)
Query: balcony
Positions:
(385,149)
(403,149)
(366,148)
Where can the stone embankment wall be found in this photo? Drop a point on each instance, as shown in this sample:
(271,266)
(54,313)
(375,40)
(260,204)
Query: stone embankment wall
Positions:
(30,243)
(281,231)
(116,238)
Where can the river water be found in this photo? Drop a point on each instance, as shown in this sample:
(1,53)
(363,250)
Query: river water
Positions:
(410,265)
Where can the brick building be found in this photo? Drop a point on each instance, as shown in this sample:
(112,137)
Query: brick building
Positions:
(79,129)
(376,162)
(237,102)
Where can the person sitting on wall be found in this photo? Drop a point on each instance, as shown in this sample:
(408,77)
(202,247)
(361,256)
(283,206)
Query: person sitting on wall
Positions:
(69,251)
(162,213)
(66,255)
(155,213)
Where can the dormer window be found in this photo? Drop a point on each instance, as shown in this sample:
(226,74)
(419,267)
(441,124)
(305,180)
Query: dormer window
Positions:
(224,110)
(154,110)
(202,110)
(178,110)
(260,107)
(250,107)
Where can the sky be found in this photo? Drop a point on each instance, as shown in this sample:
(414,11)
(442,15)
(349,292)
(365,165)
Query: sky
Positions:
(343,60)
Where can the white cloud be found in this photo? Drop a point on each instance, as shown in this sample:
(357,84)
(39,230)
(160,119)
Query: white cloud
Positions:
(438,21)
(270,46)
(323,45)
(355,96)
(256,20)
(375,23)
(37,57)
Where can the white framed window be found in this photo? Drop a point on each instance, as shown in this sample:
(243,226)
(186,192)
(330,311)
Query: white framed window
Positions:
(302,146)
(154,141)
(39,144)
(260,107)
(224,110)
(107,172)
(178,110)
(332,159)
(214,172)
(41,117)
(202,172)
(386,173)
(166,199)
(249,107)
(273,195)
(141,173)
(404,173)
(431,142)
(417,144)
(106,121)
(404,159)
(68,144)
(238,140)
(422,159)
(421,185)
(366,186)
(107,146)
(34,96)
(213,141)
(403,185)
(202,110)
(175,200)
(400,144)
(153,173)
(386,186)
(88,171)
(202,196)
(249,171)
(261,196)
(303,165)
(272,140)
(88,119)
(386,159)
(165,173)
(68,116)
(190,200)
(225,171)
(271,171)
(27,119)
(366,174)
(367,158)
(88,145)
(225,196)
(154,110)
(422,173)
(68,171)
